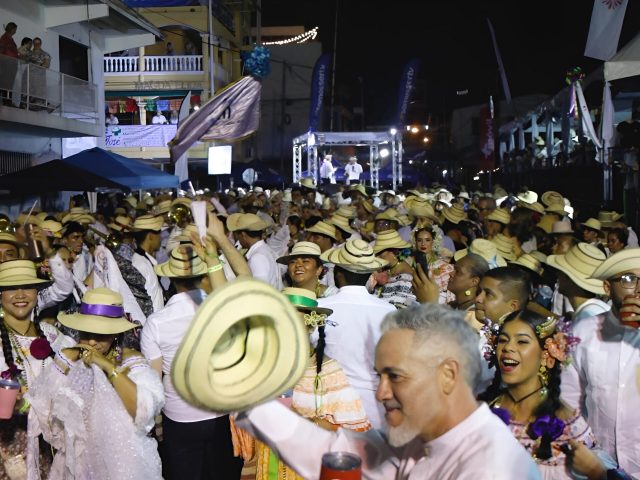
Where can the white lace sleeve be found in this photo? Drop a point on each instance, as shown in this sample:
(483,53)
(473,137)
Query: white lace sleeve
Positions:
(150,392)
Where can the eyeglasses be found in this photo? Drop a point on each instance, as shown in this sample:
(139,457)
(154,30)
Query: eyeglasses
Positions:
(628,280)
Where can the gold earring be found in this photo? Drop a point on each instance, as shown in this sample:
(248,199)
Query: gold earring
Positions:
(543,374)
(467,293)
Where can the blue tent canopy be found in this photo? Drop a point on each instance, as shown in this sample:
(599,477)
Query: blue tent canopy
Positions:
(129,173)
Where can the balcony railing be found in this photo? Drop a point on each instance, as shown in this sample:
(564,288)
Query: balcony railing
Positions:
(35,88)
(154,65)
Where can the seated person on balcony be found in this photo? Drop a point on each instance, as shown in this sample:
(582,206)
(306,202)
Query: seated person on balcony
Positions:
(170,51)
(159,119)
(112,119)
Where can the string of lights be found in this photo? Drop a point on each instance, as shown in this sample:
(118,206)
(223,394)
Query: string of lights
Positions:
(303,37)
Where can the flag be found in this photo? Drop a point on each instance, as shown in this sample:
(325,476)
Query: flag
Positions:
(232,113)
(503,74)
(604,31)
(182,163)
(318,86)
(606,121)
(587,124)
(487,142)
(407,84)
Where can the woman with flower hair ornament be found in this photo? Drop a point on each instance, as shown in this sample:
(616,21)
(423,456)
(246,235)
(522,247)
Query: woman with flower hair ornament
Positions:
(530,349)
(28,347)
(428,242)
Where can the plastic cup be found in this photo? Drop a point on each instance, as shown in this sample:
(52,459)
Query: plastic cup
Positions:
(625,315)
(8,395)
(341,466)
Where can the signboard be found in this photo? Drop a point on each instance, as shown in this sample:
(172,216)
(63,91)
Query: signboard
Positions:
(220,160)
(139,135)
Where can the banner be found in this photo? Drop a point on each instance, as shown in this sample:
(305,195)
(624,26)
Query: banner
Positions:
(182,164)
(318,86)
(232,113)
(407,84)
(606,121)
(587,124)
(487,143)
(139,135)
(604,31)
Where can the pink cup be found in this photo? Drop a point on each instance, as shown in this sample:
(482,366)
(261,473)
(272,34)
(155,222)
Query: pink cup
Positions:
(8,395)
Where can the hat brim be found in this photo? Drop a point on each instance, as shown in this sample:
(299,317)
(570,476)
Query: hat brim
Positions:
(164,270)
(591,285)
(333,256)
(284,260)
(318,310)
(400,246)
(26,283)
(501,262)
(246,344)
(96,323)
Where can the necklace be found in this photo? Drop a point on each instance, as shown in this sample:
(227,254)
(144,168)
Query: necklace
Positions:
(22,359)
(516,402)
(15,330)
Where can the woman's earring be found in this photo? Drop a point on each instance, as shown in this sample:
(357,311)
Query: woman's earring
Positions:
(467,293)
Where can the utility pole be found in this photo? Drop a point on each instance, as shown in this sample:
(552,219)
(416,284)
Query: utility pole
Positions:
(333,67)
(283,112)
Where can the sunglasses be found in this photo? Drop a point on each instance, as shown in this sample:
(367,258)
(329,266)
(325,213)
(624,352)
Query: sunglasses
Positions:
(628,280)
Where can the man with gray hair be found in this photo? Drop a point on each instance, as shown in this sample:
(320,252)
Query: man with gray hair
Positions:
(428,364)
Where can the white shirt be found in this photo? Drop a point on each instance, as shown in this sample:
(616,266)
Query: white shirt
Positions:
(159,120)
(83,264)
(353,340)
(603,381)
(590,308)
(151,284)
(353,171)
(262,262)
(481,447)
(326,169)
(161,336)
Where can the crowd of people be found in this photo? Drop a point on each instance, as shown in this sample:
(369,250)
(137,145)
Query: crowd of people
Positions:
(451,334)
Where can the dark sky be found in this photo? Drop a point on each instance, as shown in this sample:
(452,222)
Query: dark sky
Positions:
(539,40)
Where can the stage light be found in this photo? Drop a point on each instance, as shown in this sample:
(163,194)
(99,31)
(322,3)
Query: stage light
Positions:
(410,162)
(426,127)
(393,131)
(408,127)
(384,153)
(414,129)
(425,140)
(476,178)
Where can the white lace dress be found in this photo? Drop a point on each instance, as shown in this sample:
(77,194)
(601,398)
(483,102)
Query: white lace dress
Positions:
(83,418)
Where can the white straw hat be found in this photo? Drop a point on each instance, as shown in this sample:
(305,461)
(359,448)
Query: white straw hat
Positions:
(485,249)
(389,239)
(183,263)
(323,228)
(246,221)
(301,249)
(20,273)
(504,246)
(148,222)
(355,256)
(580,264)
(246,344)
(622,261)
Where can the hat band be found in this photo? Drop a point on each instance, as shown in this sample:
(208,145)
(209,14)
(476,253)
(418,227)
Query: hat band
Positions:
(113,311)
(302,301)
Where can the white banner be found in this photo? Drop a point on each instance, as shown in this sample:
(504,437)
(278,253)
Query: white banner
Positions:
(139,135)
(604,31)
(587,124)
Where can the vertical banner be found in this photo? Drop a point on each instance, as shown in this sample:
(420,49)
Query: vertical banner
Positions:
(487,143)
(182,164)
(604,31)
(407,84)
(318,86)
(606,121)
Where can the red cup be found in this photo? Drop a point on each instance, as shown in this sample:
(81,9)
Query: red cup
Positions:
(341,466)
(625,315)
(8,395)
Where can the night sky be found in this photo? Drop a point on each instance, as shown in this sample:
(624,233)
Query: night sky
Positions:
(539,41)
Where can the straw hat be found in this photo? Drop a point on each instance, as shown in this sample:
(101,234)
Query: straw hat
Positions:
(323,228)
(561,228)
(341,222)
(579,264)
(551,198)
(485,249)
(535,206)
(388,214)
(593,224)
(24,217)
(464,194)
(538,255)
(529,262)
(185,235)
(6,237)
(101,312)
(346,211)
(148,222)
(51,228)
(499,193)
(246,221)
(368,206)
(246,344)
(80,215)
(528,196)
(358,187)
(182,200)
(504,246)
(120,224)
(162,207)
(183,262)
(556,208)
(301,249)
(120,211)
(455,214)
(131,201)
(608,219)
(389,239)
(308,182)
(546,223)
(622,261)
(20,273)
(419,207)
(500,215)
(355,256)
(305,300)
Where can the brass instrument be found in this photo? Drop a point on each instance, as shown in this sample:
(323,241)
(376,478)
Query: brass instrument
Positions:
(113,241)
(179,214)
(6,226)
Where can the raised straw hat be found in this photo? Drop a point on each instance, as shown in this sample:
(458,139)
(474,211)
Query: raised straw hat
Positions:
(579,264)
(246,344)
(183,262)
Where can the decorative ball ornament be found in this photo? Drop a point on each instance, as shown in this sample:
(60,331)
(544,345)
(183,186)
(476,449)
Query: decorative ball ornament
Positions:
(256,62)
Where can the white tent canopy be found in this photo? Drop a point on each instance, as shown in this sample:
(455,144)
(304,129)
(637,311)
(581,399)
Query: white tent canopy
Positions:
(625,63)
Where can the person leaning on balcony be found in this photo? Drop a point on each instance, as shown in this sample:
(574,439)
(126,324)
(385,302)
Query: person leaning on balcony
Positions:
(39,75)
(159,119)
(9,68)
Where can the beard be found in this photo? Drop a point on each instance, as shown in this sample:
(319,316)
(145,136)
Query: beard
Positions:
(401,435)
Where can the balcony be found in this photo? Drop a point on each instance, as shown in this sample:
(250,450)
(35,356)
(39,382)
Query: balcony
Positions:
(47,102)
(154,65)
